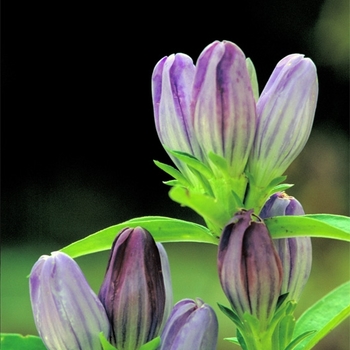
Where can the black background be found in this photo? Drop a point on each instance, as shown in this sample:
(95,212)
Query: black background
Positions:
(78,137)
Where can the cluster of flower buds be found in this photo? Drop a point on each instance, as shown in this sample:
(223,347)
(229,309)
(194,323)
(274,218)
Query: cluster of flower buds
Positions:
(131,309)
(212,112)
(231,148)
(256,272)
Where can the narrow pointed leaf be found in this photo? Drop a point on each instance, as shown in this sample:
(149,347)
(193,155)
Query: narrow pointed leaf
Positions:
(151,345)
(298,339)
(106,345)
(230,314)
(312,225)
(324,316)
(172,172)
(233,340)
(192,162)
(163,229)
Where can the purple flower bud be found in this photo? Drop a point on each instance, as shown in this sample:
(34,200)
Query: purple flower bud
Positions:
(67,313)
(280,204)
(223,104)
(191,325)
(295,252)
(285,111)
(172,81)
(207,108)
(133,291)
(250,269)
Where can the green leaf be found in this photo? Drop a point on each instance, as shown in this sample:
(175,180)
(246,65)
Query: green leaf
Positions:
(312,225)
(241,340)
(208,207)
(323,316)
(163,229)
(233,340)
(106,345)
(298,340)
(219,162)
(281,299)
(172,172)
(193,162)
(11,341)
(284,332)
(275,182)
(151,345)
(281,188)
(230,314)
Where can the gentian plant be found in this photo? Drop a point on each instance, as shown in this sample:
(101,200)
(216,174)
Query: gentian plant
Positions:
(230,147)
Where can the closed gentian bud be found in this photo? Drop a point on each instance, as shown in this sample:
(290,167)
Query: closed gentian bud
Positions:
(250,269)
(285,112)
(172,81)
(133,291)
(191,325)
(67,313)
(223,107)
(295,252)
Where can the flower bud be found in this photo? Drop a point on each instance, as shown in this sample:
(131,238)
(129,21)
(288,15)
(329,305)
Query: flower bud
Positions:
(285,111)
(250,269)
(280,204)
(133,291)
(206,108)
(295,252)
(172,81)
(191,325)
(67,313)
(223,104)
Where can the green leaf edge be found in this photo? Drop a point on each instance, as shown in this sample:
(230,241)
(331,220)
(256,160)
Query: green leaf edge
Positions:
(162,229)
(165,229)
(12,341)
(312,225)
(106,345)
(307,321)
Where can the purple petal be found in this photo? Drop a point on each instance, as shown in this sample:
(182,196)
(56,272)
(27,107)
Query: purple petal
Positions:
(191,325)
(263,270)
(133,290)
(250,270)
(285,112)
(296,256)
(223,104)
(67,313)
(229,261)
(171,86)
(295,253)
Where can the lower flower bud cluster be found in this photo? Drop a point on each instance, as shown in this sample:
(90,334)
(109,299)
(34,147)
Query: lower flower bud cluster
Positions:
(132,307)
(262,279)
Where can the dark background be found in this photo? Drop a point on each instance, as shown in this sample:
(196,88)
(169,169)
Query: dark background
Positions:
(78,137)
